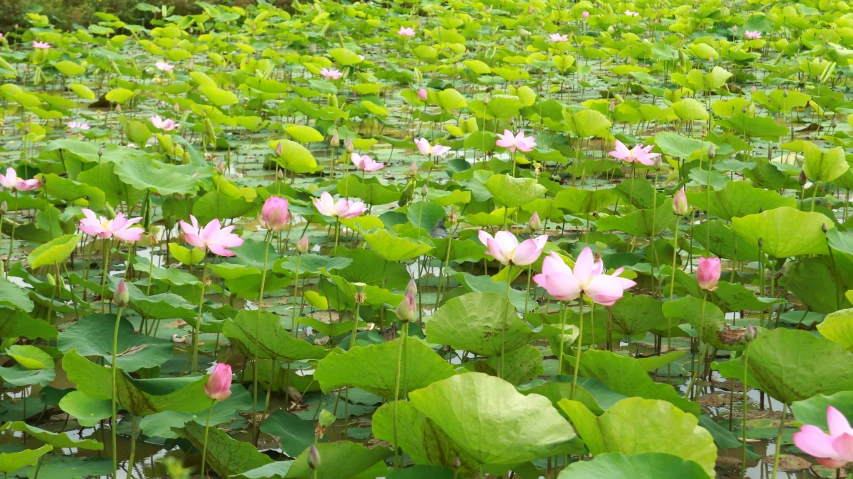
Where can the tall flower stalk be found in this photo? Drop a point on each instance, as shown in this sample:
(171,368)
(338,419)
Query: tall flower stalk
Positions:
(122,297)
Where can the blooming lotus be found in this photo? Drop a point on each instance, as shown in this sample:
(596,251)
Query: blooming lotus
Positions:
(752,35)
(331,73)
(632,14)
(557,38)
(434,150)
(832,450)
(212,237)
(165,125)
(80,125)
(343,208)
(708,273)
(366,163)
(557,279)
(639,154)
(13,182)
(513,142)
(505,248)
(406,32)
(164,67)
(218,386)
(120,227)
(41,45)
(601,288)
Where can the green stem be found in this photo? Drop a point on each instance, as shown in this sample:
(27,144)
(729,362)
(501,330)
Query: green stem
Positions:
(293,327)
(106,261)
(256,422)
(206,430)
(671,293)
(743,423)
(562,338)
(695,372)
(503,328)
(779,440)
(132,447)
(198,318)
(578,353)
(397,387)
(114,371)
(12,236)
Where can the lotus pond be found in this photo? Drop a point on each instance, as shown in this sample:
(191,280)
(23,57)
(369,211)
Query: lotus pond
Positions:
(534,239)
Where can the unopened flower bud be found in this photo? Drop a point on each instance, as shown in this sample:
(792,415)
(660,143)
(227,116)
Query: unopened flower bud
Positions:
(535,223)
(457,463)
(122,295)
(712,151)
(279,148)
(824,228)
(803,179)
(4,207)
(313,457)
(335,141)
(118,108)
(349,146)
(751,333)
(413,168)
(302,246)
(422,94)
(679,203)
(406,309)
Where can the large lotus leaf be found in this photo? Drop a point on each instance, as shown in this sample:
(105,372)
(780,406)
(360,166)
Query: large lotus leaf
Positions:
(227,412)
(489,419)
(53,252)
(578,201)
(72,191)
(588,123)
(728,296)
(591,393)
(637,315)
(636,425)
(648,465)
(93,336)
(155,306)
(225,455)
(293,156)
(374,368)
(55,439)
(395,248)
(475,321)
(294,433)
(18,375)
(218,205)
(643,223)
(310,264)
(823,165)
(638,191)
(419,437)
(57,466)
(273,470)
(140,397)
(624,375)
(370,190)
(340,460)
(86,410)
(13,296)
(820,282)
(794,365)
(813,410)
(725,243)
(739,198)
(785,231)
(678,146)
(511,192)
(12,461)
(757,126)
(425,214)
(520,365)
(838,327)
(158,177)
(484,283)
(30,357)
(689,309)
(274,341)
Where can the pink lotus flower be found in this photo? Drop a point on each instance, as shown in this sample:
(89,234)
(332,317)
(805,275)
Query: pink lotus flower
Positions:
(120,227)
(557,279)
(122,295)
(751,35)
(535,223)
(434,150)
(13,182)
(632,14)
(366,163)
(80,125)
(331,73)
(422,94)
(406,32)
(601,288)
(343,208)
(41,45)
(164,67)
(832,450)
(513,142)
(557,38)
(165,125)
(274,215)
(679,203)
(407,307)
(303,246)
(212,237)
(218,386)
(639,154)
(504,247)
(585,14)
(709,273)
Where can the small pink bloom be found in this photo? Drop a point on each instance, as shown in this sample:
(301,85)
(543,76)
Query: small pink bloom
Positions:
(165,125)
(218,386)
(557,38)
(832,450)
(434,150)
(557,278)
(41,45)
(407,307)
(274,215)
(585,14)
(632,14)
(639,154)
(504,247)
(120,227)
(366,163)
(679,203)
(513,142)
(13,182)
(164,67)
(80,125)
(212,237)
(331,73)
(343,208)
(303,246)
(422,94)
(406,32)
(751,35)
(122,295)
(601,288)
(709,273)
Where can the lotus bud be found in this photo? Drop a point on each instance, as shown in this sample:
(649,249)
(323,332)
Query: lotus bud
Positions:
(191,65)
(176,108)
(360,296)
(710,59)
(457,463)
(313,457)
(302,246)
(4,207)
(406,309)
(824,228)
(122,295)
(712,151)
(753,89)
(486,98)
(280,174)
(803,179)
(220,167)
(734,28)
(751,333)
(118,108)
(708,274)
(679,203)
(349,146)
(413,168)
(218,385)
(454,218)
(535,223)
(60,282)
(279,148)
(760,242)
(274,214)
(612,107)
(424,189)
(585,14)
(785,92)
(629,60)
(412,287)
(422,94)
(335,141)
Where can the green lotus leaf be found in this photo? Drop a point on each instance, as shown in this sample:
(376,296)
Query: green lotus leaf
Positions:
(158,177)
(30,357)
(838,327)
(293,157)
(813,410)
(87,411)
(92,335)
(824,165)
(647,465)
(785,231)
(55,439)
(340,460)
(53,252)
(12,461)
(739,198)
(395,248)
(225,455)
(274,341)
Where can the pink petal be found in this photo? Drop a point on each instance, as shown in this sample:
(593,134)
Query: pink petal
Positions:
(497,252)
(130,234)
(604,290)
(814,442)
(220,250)
(843,446)
(194,240)
(838,424)
(584,266)
(506,241)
